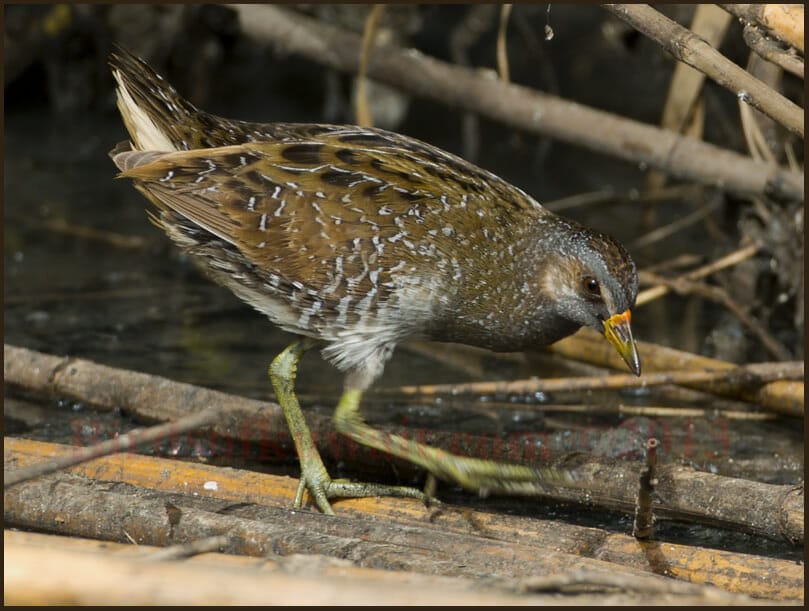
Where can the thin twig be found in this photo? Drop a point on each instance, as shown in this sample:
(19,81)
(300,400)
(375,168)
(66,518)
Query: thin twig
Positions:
(62,226)
(651,411)
(753,122)
(644,516)
(678,262)
(729,260)
(782,396)
(587,198)
(543,410)
(743,375)
(608,194)
(680,224)
(126,442)
(687,47)
(186,550)
(756,142)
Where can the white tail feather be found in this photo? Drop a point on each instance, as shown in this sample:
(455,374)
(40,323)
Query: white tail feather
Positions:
(146,136)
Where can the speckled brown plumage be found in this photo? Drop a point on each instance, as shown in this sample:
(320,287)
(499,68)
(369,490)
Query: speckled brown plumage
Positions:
(360,238)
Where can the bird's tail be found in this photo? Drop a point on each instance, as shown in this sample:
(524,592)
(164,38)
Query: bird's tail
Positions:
(156,116)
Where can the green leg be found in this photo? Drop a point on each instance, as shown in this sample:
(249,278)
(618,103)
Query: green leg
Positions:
(482,476)
(314,476)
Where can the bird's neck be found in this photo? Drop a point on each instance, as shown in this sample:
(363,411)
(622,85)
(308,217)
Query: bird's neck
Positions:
(504,306)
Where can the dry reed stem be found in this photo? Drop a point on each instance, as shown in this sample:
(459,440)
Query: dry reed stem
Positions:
(734,258)
(783,397)
(363,109)
(743,376)
(502,49)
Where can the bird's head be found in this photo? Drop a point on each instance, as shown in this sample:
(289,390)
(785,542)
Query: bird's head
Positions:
(592,282)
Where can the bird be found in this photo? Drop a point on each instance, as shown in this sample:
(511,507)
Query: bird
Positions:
(355,239)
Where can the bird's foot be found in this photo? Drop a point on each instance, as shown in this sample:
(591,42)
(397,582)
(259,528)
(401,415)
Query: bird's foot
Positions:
(322,488)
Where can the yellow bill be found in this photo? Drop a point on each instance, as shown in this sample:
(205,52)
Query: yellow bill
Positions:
(618,332)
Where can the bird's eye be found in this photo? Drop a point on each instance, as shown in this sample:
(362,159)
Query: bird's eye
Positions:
(592,287)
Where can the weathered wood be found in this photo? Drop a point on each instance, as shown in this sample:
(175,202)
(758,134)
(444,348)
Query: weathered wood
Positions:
(784,21)
(231,488)
(152,398)
(80,506)
(86,572)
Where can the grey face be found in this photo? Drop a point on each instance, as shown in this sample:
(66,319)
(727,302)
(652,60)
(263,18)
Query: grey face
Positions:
(590,279)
